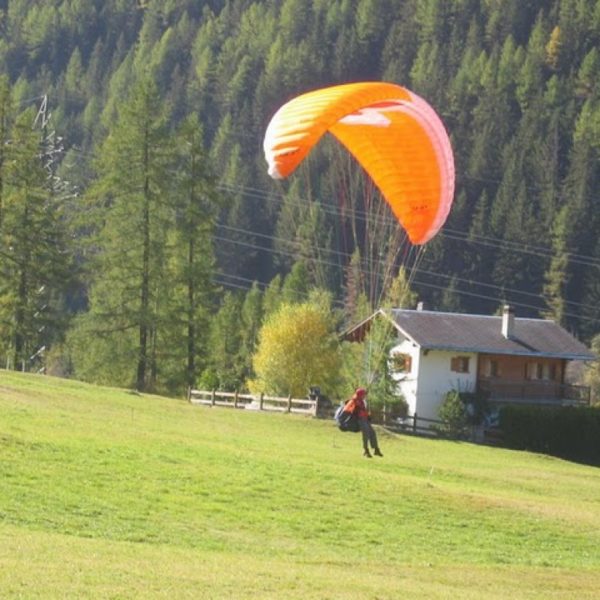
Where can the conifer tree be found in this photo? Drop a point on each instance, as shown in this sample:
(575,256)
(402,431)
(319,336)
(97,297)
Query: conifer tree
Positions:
(224,345)
(580,183)
(35,261)
(296,286)
(556,277)
(5,119)
(189,297)
(399,293)
(272,296)
(251,320)
(356,305)
(131,199)
(512,81)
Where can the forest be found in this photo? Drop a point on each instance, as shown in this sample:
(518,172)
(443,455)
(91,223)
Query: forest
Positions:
(143,244)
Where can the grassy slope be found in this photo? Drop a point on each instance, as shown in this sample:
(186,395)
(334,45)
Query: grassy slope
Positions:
(105,493)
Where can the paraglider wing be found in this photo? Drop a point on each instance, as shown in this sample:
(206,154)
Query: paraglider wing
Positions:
(394,134)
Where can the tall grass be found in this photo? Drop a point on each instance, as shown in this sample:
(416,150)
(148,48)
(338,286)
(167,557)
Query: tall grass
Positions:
(106,493)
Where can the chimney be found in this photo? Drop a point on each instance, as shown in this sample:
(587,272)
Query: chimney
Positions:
(508,321)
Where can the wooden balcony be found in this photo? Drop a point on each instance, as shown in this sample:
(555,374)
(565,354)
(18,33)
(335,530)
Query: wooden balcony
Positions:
(535,392)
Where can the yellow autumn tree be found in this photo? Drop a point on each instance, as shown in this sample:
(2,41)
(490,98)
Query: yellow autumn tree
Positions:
(553,48)
(297,348)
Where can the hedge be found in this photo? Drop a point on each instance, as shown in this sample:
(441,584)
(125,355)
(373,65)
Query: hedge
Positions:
(568,432)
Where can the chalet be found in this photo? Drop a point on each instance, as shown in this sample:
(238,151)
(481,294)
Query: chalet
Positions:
(510,359)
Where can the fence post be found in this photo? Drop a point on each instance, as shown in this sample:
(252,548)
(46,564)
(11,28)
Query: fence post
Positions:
(260,401)
(415,423)
(212,398)
(289,403)
(235,399)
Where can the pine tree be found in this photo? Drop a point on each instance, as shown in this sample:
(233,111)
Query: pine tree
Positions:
(578,191)
(556,277)
(224,344)
(590,298)
(272,296)
(5,120)
(400,45)
(399,294)
(35,261)
(251,319)
(195,201)
(131,196)
(355,297)
(296,286)
(450,298)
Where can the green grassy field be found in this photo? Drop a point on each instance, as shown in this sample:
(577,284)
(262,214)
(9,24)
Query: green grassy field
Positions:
(108,494)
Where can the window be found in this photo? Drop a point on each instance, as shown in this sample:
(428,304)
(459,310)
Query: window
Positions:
(549,372)
(534,370)
(459,364)
(491,368)
(400,363)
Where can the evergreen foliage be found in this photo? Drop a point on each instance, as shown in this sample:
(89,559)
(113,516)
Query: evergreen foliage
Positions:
(36,262)
(515,82)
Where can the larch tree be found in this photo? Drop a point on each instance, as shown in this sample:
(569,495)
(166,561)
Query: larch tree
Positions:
(251,321)
(35,262)
(195,200)
(556,277)
(5,119)
(225,371)
(133,218)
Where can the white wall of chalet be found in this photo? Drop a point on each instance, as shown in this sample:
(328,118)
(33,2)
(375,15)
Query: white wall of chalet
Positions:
(431,377)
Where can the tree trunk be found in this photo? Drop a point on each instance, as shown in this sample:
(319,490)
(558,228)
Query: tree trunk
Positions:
(145,289)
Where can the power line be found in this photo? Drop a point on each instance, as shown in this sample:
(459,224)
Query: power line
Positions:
(452,234)
(380,220)
(247,283)
(497,299)
(417,270)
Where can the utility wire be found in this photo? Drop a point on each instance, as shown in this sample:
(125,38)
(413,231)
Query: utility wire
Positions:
(363,215)
(429,285)
(448,233)
(347,256)
(274,196)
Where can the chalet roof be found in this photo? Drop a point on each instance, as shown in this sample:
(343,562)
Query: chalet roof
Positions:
(483,334)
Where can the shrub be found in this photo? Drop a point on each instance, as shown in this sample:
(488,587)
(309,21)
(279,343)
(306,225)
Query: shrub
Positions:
(394,407)
(460,412)
(568,432)
(454,416)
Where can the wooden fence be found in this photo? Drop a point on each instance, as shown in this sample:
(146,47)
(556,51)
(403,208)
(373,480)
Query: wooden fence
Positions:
(412,424)
(303,406)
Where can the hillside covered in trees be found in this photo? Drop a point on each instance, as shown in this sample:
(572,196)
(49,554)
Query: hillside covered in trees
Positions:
(142,241)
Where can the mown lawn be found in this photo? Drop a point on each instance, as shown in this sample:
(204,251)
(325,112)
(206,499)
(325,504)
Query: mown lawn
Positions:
(108,494)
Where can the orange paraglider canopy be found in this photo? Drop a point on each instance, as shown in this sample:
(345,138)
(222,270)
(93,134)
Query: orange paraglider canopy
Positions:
(394,134)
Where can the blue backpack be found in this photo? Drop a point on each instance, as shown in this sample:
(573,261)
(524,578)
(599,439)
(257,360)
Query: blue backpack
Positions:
(346,421)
